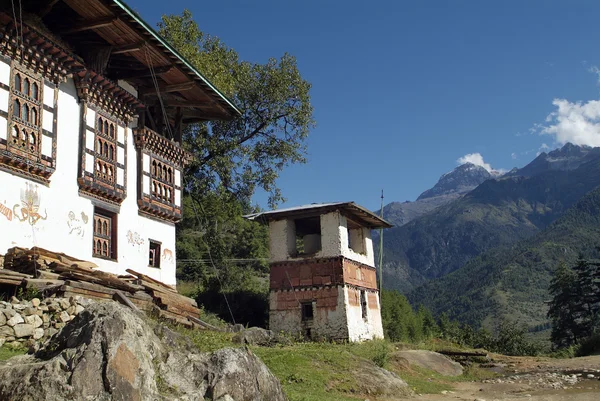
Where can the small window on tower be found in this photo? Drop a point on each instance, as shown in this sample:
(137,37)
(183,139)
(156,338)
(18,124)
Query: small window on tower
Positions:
(363,304)
(154,255)
(307,311)
(308,236)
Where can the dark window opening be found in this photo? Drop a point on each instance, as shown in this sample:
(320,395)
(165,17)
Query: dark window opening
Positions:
(307,311)
(308,236)
(154,255)
(356,237)
(105,234)
(363,304)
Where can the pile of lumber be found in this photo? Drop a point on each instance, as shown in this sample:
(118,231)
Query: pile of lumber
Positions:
(56,273)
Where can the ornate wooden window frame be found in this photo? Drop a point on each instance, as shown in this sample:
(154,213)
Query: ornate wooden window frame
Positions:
(31,154)
(105,230)
(99,172)
(107,100)
(157,192)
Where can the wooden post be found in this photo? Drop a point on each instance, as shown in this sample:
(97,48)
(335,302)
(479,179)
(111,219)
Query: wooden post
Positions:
(178,125)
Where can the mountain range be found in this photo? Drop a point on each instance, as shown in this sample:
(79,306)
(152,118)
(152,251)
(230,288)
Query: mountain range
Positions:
(469,253)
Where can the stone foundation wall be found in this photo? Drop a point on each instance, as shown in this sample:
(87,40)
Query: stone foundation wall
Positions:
(29,323)
(329,312)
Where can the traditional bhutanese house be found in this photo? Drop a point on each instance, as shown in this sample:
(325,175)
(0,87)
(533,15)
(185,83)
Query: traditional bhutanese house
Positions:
(322,271)
(92,107)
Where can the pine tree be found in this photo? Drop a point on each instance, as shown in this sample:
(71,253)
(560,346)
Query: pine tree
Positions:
(564,308)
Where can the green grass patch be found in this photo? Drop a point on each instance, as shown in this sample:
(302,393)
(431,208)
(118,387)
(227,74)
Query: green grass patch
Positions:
(9,352)
(313,371)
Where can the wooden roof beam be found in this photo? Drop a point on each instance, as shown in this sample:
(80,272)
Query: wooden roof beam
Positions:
(90,24)
(186,104)
(182,87)
(42,13)
(133,47)
(142,73)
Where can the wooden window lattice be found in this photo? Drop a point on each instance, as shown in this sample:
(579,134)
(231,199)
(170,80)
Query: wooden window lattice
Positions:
(25,114)
(102,236)
(162,181)
(106,151)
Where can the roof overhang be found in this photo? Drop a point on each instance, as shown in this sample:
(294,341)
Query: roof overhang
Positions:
(110,35)
(351,210)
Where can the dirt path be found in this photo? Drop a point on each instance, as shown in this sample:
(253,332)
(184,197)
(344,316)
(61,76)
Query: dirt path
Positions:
(535,379)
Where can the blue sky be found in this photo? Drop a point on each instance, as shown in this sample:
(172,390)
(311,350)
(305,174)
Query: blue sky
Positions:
(403,89)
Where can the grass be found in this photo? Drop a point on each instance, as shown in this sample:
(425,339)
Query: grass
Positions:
(9,352)
(312,371)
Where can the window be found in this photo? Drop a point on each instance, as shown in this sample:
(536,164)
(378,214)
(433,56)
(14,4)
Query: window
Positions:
(363,304)
(308,236)
(162,181)
(24,115)
(356,238)
(106,151)
(307,311)
(154,254)
(105,230)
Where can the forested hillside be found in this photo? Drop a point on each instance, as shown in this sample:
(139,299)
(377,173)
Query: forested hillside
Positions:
(497,213)
(512,282)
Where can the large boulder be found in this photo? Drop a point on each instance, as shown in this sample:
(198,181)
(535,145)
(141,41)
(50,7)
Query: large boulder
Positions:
(108,352)
(430,360)
(258,336)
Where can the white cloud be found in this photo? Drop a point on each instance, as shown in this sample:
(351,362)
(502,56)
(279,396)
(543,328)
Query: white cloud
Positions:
(476,159)
(513,155)
(578,123)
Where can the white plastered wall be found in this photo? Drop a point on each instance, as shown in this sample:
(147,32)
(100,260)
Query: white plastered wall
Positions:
(65,218)
(334,240)
(326,323)
(360,329)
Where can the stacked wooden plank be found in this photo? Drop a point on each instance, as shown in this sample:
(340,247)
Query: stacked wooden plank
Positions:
(172,305)
(56,273)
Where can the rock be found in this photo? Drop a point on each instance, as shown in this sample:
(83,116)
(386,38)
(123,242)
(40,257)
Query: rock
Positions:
(23,330)
(50,331)
(2,319)
(432,361)
(9,312)
(2,340)
(111,353)
(79,309)
(6,331)
(14,300)
(64,303)
(64,317)
(377,381)
(258,336)
(16,319)
(38,333)
(35,302)
(34,320)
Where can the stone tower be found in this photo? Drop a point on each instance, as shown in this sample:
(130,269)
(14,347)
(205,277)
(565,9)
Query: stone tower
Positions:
(322,271)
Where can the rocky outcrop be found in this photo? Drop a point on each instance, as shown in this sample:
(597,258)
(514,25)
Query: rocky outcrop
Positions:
(259,336)
(430,360)
(28,323)
(109,352)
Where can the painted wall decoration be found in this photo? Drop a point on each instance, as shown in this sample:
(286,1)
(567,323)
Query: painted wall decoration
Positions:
(77,224)
(6,212)
(134,238)
(30,205)
(168,255)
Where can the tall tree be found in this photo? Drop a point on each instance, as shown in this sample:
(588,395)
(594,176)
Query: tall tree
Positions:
(248,152)
(216,247)
(562,310)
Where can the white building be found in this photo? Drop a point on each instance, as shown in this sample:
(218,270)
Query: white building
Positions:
(323,283)
(92,106)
